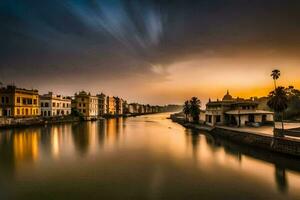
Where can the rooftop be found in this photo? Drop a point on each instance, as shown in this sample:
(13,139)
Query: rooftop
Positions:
(245,112)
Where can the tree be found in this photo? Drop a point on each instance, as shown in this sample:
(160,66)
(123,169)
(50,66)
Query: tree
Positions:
(195,105)
(275,75)
(278,101)
(186,109)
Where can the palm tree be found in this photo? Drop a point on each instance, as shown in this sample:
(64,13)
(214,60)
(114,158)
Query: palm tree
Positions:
(186,109)
(275,75)
(195,105)
(278,101)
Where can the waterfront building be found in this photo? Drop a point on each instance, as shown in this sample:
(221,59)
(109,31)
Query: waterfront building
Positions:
(133,108)
(102,104)
(148,108)
(236,112)
(110,105)
(86,104)
(141,109)
(125,107)
(54,105)
(119,105)
(19,102)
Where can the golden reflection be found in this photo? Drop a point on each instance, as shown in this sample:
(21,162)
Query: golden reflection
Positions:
(26,145)
(55,142)
(112,131)
(93,137)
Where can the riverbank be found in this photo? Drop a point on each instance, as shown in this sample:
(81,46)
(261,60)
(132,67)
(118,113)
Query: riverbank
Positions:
(283,145)
(40,121)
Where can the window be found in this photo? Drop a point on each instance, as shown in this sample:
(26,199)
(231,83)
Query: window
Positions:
(24,101)
(83,110)
(29,101)
(63,104)
(84,105)
(42,104)
(7,100)
(46,104)
(57,105)
(53,105)
(82,99)
(79,104)
(18,100)
(218,118)
(18,111)
(34,101)
(2,100)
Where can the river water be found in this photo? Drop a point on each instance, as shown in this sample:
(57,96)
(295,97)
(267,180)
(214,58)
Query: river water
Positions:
(146,157)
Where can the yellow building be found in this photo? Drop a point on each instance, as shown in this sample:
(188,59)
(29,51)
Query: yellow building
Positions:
(18,102)
(111,106)
(86,104)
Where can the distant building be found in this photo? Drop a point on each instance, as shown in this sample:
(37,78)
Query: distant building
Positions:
(102,104)
(125,107)
(133,108)
(119,105)
(236,112)
(86,104)
(54,105)
(110,105)
(18,102)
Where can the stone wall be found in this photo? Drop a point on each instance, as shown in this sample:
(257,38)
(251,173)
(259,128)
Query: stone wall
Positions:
(281,145)
(17,122)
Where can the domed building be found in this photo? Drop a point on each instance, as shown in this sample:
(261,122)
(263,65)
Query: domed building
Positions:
(236,112)
(227,97)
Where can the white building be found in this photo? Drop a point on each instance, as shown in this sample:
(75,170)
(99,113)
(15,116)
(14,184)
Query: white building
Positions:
(236,112)
(54,105)
(101,104)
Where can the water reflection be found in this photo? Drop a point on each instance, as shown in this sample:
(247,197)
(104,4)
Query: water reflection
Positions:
(81,134)
(281,179)
(148,141)
(25,146)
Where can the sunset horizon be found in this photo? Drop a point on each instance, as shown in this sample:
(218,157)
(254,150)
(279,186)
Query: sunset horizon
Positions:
(149,99)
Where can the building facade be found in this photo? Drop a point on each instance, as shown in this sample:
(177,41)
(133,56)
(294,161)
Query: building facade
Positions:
(86,104)
(119,105)
(102,104)
(54,105)
(110,105)
(19,102)
(236,112)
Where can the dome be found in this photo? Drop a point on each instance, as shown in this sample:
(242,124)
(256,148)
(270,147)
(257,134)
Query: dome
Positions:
(227,97)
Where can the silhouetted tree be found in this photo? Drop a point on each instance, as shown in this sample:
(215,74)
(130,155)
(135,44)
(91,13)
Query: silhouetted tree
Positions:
(278,101)
(275,75)
(186,109)
(195,105)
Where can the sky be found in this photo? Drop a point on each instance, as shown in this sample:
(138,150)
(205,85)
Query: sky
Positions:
(150,51)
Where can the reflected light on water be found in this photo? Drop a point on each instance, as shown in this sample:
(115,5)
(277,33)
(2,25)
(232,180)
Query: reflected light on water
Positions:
(166,159)
(25,145)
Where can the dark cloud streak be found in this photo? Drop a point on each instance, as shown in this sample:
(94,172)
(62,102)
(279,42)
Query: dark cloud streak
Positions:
(120,39)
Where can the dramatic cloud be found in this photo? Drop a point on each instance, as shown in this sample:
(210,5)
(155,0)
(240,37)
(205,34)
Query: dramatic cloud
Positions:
(140,49)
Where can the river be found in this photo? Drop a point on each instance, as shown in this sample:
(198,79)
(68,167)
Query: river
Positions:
(145,157)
